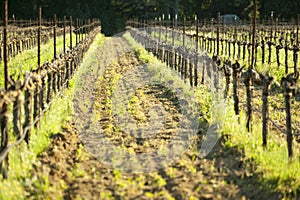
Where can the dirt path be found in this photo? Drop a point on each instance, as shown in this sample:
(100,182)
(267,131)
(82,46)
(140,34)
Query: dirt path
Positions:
(71,164)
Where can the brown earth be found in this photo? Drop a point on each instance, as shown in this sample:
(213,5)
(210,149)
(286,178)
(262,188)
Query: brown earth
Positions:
(67,170)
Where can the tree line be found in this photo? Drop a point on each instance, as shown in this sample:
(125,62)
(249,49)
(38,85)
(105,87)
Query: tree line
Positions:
(114,13)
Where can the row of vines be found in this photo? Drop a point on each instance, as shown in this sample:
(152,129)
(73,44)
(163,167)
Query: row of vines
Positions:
(24,101)
(23,34)
(259,62)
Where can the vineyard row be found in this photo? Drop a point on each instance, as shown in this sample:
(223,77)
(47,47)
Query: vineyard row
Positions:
(197,67)
(24,102)
(278,45)
(23,34)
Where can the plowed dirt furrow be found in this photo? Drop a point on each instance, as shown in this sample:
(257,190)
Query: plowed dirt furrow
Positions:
(72,171)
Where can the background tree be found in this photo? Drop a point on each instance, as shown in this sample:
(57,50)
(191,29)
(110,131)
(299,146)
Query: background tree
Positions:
(114,13)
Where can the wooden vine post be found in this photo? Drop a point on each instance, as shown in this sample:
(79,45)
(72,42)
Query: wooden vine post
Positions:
(203,69)
(236,69)
(175,55)
(244,43)
(82,28)
(5,43)
(64,33)
(234,36)
(287,97)
(196,53)
(248,76)
(263,50)
(270,51)
(81,24)
(212,35)
(185,55)
(166,28)
(272,16)
(218,34)
(227,73)
(39,35)
(173,29)
(179,58)
(90,24)
(4,109)
(160,27)
(54,36)
(36,106)
(297,32)
(190,61)
(71,32)
(42,93)
(17,112)
(286,49)
(163,49)
(295,58)
(229,46)
(28,115)
(76,32)
(253,34)
(265,107)
(160,53)
(278,47)
(183,31)
(169,53)
(172,53)
(223,38)
(4,137)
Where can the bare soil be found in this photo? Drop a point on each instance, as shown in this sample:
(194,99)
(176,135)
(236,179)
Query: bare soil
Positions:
(69,171)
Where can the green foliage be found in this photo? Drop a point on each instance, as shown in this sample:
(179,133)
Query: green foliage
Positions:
(114,14)
(248,11)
